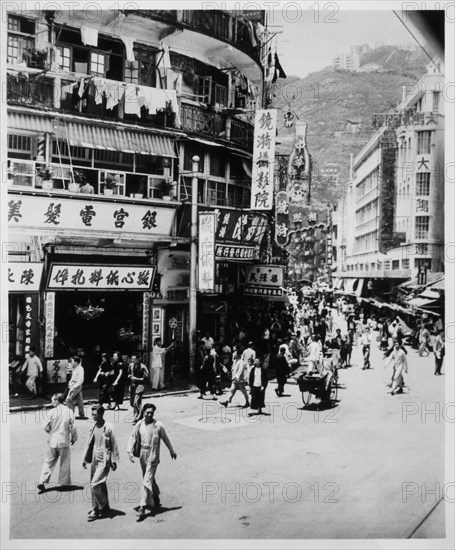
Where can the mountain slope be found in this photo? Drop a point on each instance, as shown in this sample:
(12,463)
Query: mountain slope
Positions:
(338,107)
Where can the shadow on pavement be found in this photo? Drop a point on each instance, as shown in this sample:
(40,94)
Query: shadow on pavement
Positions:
(62,489)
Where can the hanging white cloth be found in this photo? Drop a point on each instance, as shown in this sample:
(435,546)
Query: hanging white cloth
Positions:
(114,93)
(131,100)
(129,43)
(100,88)
(89,37)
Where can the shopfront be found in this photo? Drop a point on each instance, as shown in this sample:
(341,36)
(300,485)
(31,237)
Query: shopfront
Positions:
(94,308)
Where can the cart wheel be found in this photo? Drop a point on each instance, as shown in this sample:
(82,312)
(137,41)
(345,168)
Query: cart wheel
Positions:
(306,397)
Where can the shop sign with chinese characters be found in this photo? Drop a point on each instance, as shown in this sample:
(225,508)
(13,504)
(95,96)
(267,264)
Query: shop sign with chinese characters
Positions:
(296,220)
(224,251)
(24,277)
(50,322)
(31,325)
(87,215)
(100,277)
(145,319)
(263,280)
(263,159)
(207,224)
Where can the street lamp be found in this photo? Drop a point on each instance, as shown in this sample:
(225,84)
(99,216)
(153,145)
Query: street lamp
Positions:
(193,265)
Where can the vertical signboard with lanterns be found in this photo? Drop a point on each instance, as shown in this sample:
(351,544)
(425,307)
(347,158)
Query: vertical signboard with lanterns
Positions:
(263,159)
(206,271)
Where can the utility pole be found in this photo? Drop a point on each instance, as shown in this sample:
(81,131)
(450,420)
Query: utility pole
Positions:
(193,265)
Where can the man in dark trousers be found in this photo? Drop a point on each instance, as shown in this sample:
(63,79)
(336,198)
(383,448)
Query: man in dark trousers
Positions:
(281,370)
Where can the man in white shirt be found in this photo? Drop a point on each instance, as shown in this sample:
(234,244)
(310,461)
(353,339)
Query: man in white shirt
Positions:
(34,370)
(238,374)
(75,389)
(59,424)
(314,356)
(207,340)
(157,364)
(248,353)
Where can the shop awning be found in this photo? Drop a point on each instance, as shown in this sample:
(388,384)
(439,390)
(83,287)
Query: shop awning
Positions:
(115,139)
(420,302)
(97,137)
(349,285)
(430,294)
(359,287)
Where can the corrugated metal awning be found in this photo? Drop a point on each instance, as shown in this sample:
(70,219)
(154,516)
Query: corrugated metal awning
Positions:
(96,137)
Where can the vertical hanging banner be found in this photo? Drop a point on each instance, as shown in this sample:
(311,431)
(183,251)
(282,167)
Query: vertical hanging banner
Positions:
(206,276)
(145,319)
(31,332)
(263,159)
(50,322)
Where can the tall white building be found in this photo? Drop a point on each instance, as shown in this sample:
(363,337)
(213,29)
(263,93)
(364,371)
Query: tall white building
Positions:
(397,195)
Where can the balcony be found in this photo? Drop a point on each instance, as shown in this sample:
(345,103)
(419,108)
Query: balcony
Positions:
(204,122)
(215,23)
(41,92)
(33,91)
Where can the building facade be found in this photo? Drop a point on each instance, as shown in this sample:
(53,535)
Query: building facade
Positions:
(397,194)
(106,110)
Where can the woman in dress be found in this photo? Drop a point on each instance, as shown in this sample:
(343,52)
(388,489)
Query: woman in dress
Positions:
(400,365)
(105,377)
(258,384)
(120,375)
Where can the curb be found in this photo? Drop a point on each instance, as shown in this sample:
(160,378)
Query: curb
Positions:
(22,408)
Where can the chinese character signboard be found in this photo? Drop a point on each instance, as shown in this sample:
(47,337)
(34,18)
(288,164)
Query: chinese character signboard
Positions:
(50,322)
(56,371)
(24,277)
(207,224)
(31,324)
(388,146)
(297,222)
(263,159)
(100,277)
(145,320)
(263,280)
(225,251)
(299,169)
(89,215)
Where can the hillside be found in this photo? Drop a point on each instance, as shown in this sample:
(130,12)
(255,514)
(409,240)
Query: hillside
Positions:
(338,107)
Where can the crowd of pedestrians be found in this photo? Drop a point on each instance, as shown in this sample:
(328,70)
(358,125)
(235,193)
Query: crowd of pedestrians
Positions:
(321,337)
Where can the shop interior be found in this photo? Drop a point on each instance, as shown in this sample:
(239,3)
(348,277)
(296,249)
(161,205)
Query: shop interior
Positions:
(89,324)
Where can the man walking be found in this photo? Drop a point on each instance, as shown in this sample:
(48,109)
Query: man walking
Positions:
(75,389)
(439,351)
(281,371)
(138,374)
(59,424)
(101,451)
(366,346)
(238,374)
(34,370)
(144,443)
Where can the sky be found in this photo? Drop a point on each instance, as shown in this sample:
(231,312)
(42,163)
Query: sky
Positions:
(309,40)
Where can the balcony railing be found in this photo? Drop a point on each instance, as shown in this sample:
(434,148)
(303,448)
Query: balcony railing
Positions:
(41,92)
(30,91)
(216,23)
(199,120)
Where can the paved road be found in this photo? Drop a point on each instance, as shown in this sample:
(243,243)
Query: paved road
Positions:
(360,470)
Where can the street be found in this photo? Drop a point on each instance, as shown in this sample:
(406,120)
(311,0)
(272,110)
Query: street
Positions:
(367,468)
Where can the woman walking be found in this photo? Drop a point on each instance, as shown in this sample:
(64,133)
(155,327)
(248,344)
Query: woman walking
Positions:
(258,384)
(400,365)
(105,377)
(120,375)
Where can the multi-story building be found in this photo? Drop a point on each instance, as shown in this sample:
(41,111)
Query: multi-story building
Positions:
(397,194)
(105,111)
(347,62)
